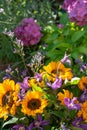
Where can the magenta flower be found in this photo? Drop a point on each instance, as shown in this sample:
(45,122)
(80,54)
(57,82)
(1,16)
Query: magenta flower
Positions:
(28,31)
(19,127)
(70,103)
(77,10)
(38,123)
(57,83)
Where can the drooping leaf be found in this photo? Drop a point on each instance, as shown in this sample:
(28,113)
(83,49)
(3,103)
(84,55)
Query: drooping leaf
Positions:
(11,121)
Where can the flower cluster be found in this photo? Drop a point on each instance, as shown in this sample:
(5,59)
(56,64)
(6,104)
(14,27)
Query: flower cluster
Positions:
(77,10)
(28,31)
(48,93)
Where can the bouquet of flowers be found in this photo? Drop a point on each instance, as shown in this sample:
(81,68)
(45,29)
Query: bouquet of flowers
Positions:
(47,88)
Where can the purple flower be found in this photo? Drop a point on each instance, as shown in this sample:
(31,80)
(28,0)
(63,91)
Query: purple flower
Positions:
(78,122)
(19,127)
(28,31)
(83,96)
(66,59)
(57,83)
(83,67)
(64,127)
(70,103)
(38,123)
(77,10)
(60,26)
(24,73)
(38,77)
(23,88)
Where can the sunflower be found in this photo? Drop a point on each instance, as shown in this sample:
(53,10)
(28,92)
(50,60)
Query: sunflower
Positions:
(82,83)
(57,69)
(66,94)
(83,112)
(33,103)
(8,98)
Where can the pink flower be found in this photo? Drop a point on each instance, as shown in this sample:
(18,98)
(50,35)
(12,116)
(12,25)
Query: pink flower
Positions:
(77,10)
(28,31)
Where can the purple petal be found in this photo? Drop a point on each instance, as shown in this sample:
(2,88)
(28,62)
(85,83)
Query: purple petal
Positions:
(38,77)
(66,59)
(44,122)
(57,83)
(39,117)
(16,127)
(40,128)
(31,126)
(25,82)
(70,103)
(83,96)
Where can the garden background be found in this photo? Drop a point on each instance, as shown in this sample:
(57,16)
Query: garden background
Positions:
(43,64)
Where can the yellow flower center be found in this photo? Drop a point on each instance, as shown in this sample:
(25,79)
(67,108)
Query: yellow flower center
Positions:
(34,104)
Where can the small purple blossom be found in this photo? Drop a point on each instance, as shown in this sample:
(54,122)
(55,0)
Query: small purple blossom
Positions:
(60,26)
(38,123)
(70,103)
(19,127)
(64,127)
(24,73)
(66,59)
(23,88)
(57,83)
(28,31)
(38,77)
(83,96)
(78,122)
(83,67)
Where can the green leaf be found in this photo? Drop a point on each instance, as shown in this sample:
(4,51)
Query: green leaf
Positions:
(75,128)
(36,88)
(75,81)
(77,35)
(11,121)
(82,49)
(64,18)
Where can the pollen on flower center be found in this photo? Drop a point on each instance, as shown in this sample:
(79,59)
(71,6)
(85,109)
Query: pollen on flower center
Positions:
(21,128)
(37,123)
(5,98)
(34,104)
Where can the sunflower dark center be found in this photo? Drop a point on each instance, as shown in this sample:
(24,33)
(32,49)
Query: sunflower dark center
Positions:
(54,71)
(7,99)
(34,104)
(85,85)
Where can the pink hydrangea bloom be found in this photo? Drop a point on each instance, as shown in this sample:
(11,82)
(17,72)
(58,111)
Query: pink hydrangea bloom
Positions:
(28,31)
(77,10)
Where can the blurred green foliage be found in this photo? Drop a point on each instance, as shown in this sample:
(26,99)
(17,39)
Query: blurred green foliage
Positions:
(44,11)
